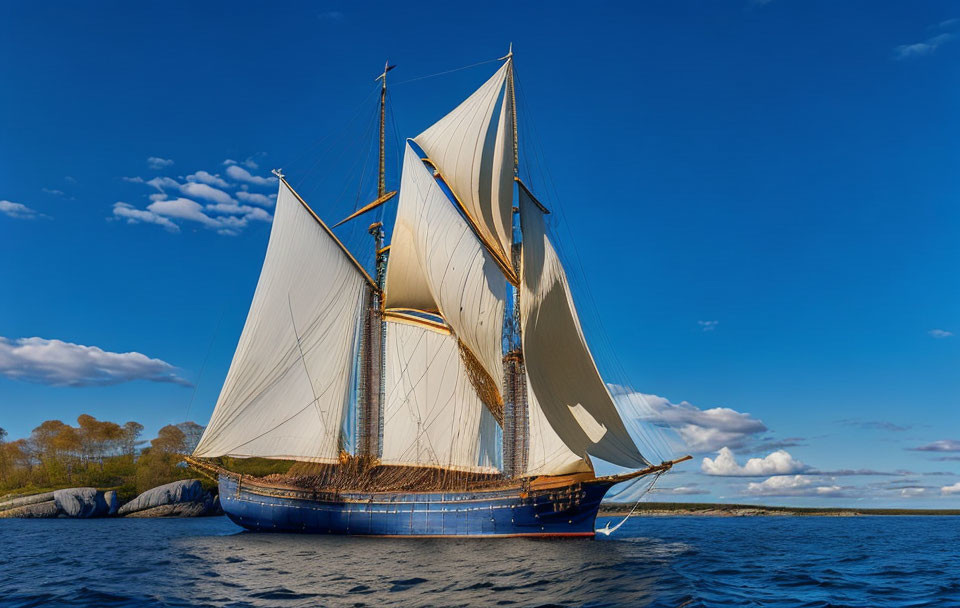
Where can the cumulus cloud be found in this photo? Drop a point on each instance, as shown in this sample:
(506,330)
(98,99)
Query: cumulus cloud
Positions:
(218,210)
(206,192)
(156,163)
(256,199)
(163,183)
(941,445)
(242,175)
(208,178)
(921,49)
(702,430)
(776,463)
(60,363)
(19,211)
(795,485)
(708,325)
(952,489)
(132,215)
(940,333)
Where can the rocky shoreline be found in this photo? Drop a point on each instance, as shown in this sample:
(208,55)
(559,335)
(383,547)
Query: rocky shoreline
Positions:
(185,498)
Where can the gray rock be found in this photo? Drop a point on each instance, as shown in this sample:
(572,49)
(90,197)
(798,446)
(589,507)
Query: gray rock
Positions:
(113,502)
(48,509)
(80,503)
(188,490)
(195,508)
(11,503)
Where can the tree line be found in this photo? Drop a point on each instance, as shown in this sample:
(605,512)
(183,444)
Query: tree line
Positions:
(95,453)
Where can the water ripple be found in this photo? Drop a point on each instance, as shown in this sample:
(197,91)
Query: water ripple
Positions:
(664,562)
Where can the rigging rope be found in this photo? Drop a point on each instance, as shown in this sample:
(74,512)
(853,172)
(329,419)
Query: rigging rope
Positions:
(607,530)
(472,65)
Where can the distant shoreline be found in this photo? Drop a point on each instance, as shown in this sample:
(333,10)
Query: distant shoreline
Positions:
(671,509)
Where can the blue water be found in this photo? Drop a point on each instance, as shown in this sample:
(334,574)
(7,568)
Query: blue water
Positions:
(650,561)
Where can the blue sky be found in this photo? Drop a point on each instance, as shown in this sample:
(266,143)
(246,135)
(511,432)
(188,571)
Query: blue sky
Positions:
(758,200)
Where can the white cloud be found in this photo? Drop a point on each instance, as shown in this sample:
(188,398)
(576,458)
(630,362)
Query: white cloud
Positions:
(775,463)
(208,178)
(162,183)
(708,325)
(681,490)
(795,485)
(242,175)
(941,445)
(157,163)
(250,213)
(204,191)
(52,191)
(912,492)
(702,430)
(920,49)
(185,209)
(133,216)
(133,180)
(59,363)
(940,333)
(256,199)
(953,489)
(20,211)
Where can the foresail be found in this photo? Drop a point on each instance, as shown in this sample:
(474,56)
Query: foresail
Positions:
(474,154)
(290,379)
(437,264)
(432,415)
(564,382)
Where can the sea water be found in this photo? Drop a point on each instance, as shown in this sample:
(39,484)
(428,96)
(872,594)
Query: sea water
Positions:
(649,561)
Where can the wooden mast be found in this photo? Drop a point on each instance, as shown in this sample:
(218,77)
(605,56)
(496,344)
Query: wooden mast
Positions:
(370,423)
(515,420)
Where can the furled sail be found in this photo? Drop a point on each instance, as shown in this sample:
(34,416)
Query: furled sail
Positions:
(290,379)
(564,383)
(432,414)
(475,156)
(438,265)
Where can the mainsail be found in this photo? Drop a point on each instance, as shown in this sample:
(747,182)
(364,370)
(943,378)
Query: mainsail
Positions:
(432,414)
(437,264)
(564,385)
(290,379)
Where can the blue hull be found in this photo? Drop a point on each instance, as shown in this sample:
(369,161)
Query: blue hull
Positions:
(566,511)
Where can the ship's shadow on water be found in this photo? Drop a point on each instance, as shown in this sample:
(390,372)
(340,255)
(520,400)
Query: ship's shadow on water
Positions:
(662,562)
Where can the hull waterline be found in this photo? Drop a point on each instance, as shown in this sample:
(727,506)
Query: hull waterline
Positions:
(568,511)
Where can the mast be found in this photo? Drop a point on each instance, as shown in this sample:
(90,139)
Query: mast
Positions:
(370,397)
(515,425)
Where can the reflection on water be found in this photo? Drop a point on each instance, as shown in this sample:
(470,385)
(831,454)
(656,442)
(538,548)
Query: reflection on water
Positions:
(688,561)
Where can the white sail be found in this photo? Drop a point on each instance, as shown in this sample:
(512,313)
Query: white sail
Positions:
(437,264)
(563,378)
(475,157)
(547,454)
(432,414)
(290,379)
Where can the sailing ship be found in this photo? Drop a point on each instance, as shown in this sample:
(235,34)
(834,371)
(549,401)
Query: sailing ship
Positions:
(478,406)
